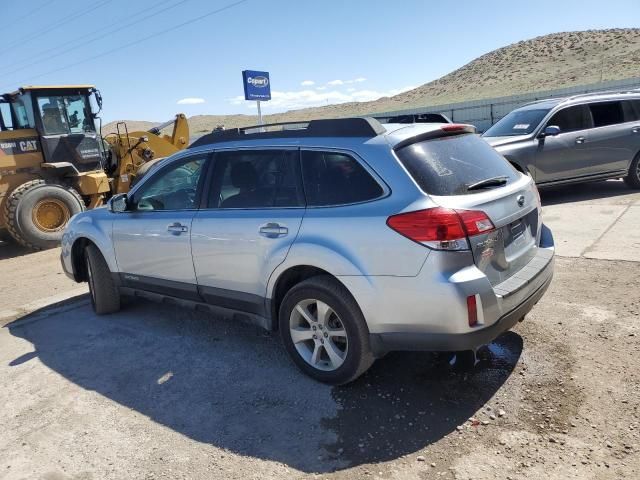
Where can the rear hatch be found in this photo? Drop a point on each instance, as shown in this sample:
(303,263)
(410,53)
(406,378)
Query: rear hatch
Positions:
(463,173)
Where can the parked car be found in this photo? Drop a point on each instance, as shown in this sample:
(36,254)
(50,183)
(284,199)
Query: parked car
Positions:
(577,139)
(351,238)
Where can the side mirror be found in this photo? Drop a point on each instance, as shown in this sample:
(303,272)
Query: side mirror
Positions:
(119,203)
(550,131)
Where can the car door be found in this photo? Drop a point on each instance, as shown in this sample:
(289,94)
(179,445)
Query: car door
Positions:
(564,156)
(612,141)
(254,209)
(152,239)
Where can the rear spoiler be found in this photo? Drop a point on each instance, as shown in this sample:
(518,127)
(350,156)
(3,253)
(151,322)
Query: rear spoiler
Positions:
(446,130)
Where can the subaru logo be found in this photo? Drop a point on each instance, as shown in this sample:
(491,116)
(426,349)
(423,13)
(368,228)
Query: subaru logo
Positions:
(520,200)
(259,82)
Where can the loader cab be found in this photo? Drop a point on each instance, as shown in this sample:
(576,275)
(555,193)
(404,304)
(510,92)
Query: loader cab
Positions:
(63,121)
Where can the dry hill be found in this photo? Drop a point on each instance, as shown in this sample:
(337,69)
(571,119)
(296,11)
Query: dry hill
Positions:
(543,63)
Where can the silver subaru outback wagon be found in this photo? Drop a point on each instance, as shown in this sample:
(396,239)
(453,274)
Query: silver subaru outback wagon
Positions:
(351,238)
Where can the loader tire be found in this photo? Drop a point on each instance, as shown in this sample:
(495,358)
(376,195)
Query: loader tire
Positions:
(37,212)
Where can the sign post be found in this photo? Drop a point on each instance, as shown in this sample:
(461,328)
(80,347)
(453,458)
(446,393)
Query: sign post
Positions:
(256,87)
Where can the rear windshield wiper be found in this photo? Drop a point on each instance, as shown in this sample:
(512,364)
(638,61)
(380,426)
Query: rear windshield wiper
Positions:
(488,183)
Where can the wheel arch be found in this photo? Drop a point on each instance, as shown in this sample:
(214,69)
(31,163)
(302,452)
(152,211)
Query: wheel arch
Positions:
(77,258)
(286,280)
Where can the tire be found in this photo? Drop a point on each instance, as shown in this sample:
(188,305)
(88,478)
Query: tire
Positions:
(344,330)
(105,296)
(37,212)
(633,178)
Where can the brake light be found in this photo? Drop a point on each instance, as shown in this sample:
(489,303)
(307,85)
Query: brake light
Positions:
(458,127)
(441,228)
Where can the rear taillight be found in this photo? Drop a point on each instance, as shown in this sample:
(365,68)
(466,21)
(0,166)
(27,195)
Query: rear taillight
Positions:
(441,228)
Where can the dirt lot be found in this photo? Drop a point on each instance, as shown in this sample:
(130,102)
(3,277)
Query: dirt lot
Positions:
(159,392)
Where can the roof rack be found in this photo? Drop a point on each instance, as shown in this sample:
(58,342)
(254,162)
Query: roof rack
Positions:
(604,92)
(561,99)
(338,127)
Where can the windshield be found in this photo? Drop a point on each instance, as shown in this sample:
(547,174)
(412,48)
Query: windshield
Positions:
(518,122)
(65,114)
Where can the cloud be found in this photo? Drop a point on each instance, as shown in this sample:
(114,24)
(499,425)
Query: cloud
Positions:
(190,101)
(321,88)
(351,89)
(313,98)
(308,83)
(335,82)
(356,80)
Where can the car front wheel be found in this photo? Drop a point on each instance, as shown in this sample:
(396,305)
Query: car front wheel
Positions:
(324,331)
(105,296)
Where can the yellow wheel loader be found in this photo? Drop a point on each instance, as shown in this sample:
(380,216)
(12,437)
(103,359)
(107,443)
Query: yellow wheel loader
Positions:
(54,163)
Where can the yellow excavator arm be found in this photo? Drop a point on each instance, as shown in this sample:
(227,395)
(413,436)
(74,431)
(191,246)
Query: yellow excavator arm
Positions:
(132,150)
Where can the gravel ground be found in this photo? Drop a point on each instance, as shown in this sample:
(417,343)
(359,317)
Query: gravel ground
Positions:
(157,392)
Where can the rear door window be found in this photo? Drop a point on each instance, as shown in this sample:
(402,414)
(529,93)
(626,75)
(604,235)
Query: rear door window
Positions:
(256,179)
(572,119)
(606,113)
(332,178)
(449,165)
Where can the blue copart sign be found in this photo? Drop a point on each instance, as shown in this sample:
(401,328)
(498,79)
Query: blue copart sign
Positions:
(256,85)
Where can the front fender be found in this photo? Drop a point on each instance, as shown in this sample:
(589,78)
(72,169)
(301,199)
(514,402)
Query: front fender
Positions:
(95,226)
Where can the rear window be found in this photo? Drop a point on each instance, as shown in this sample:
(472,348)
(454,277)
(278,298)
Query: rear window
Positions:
(449,165)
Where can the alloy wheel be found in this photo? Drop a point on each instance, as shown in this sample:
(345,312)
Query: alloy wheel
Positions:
(318,334)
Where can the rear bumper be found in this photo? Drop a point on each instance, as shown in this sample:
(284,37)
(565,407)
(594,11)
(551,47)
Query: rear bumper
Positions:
(382,343)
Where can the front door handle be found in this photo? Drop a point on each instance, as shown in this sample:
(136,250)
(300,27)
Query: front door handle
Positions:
(273,230)
(635,130)
(580,140)
(177,228)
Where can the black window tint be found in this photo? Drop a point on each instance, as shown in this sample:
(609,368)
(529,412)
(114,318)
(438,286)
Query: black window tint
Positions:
(449,165)
(256,179)
(172,188)
(606,113)
(336,179)
(571,119)
(631,109)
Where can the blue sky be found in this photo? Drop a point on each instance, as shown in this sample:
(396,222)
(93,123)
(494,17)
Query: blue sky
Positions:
(349,49)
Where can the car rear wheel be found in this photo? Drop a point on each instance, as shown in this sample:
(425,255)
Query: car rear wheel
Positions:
(633,178)
(105,296)
(324,331)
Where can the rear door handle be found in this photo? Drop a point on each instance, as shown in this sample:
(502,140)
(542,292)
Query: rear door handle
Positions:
(177,228)
(580,140)
(635,130)
(273,230)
